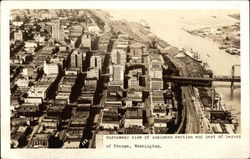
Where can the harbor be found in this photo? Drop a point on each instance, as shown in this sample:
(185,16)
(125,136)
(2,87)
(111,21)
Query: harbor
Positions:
(209,51)
(118,77)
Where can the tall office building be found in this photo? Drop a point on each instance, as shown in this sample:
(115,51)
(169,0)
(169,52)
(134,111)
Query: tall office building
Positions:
(117,75)
(77,59)
(93,73)
(73,58)
(86,41)
(96,62)
(117,72)
(50,68)
(118,56)
(55,30)
(61,35)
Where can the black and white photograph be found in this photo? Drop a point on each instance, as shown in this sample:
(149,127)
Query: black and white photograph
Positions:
(79,77)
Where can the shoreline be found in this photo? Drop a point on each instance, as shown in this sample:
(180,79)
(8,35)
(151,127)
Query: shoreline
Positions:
(237,126)
(226,45)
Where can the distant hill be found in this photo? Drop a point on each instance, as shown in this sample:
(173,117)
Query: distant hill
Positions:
(236,16)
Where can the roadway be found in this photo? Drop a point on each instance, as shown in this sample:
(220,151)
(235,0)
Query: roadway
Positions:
(193,124)
(35,129)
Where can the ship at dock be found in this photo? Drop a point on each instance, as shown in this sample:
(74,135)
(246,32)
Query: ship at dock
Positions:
(144,24)
(221,119)
(192,54)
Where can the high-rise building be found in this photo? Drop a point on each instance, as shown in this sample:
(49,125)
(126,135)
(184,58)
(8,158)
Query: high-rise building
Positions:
(77,59)
(118,56)
(55,30)
(93,73)
(61,35)
(118,73)
(92,62)
(73,59)
(50,68)
(155,72)
(86,41)
(96,62)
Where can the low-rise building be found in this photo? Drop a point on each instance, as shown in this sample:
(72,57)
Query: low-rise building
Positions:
(38,91)
(156,84)
(50,123)
(22,82)
(110,120)
(135,96)
(28,110)
(133,130)
(86,41)
(40,140)
(94,29)
(29,72)
(71,144)
(86,99)
(33,100)
(157,98)
(133,117)
(18,35)
(72,71)
(50,68)
(159,111)
(114,99)
(133,81)
(93,73)
(21,121)
(30,44)
(79,119)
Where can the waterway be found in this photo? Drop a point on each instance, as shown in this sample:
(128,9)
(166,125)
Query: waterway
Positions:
(169,24)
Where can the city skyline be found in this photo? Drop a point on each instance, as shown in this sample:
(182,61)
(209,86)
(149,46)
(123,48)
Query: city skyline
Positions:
(78,74)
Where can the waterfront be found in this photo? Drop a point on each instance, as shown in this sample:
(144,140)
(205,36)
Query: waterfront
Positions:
(169,24)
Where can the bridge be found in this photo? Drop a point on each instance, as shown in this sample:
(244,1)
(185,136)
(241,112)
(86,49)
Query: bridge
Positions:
(202,80)
(206,80)
(199,81)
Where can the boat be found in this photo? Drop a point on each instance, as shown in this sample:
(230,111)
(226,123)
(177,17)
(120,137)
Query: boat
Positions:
(192,54)
(144,24)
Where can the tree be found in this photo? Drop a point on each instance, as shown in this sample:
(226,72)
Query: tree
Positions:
(18,18)
(26,20)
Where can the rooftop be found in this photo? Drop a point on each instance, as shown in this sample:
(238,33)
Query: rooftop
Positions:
(110,116)
(41,136)
(134,113)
